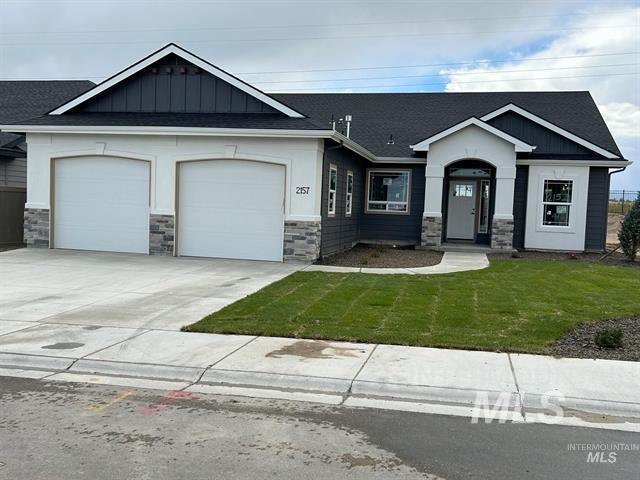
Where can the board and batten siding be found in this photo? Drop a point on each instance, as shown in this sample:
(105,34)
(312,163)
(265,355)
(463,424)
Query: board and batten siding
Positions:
(397,227)
(546,141)
(595,237)
(173,85)
(340,232)
(520,205)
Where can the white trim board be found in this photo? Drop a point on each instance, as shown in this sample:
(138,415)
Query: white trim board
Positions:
(519,145)
(184,54)
(574,163)
(554,128)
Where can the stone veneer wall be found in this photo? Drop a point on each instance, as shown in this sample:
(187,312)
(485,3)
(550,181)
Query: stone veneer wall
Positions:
(302,240)
(161,234)
(36,227)
(431,232)
(502,234)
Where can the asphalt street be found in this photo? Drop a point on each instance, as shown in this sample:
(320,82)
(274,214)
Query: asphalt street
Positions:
(70,431)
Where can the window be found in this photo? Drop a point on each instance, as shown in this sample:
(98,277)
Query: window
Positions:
(556,202)
(333,182)
(349,203)
(483,225)
(463,190)
(388,191)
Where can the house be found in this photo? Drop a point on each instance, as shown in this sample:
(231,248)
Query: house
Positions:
(20,100)
(173,155)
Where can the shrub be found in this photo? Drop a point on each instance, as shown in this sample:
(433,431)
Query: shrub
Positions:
(629,234)
(609,338)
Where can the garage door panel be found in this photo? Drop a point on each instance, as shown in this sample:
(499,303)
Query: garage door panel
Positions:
(231,209)
(102,203)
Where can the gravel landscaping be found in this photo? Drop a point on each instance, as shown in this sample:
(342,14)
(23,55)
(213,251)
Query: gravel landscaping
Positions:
(617,259)
(579,342)
(383,257)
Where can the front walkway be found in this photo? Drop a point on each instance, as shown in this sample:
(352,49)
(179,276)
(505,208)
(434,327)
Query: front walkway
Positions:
(451,262)
(601,393)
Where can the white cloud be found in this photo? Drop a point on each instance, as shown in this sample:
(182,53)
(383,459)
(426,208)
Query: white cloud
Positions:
(617,96)
(623,118)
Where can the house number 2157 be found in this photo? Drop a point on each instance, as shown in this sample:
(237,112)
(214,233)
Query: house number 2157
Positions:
(302,190)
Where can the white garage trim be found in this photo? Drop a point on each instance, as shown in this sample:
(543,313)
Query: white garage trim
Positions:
(54,161)
(276,254)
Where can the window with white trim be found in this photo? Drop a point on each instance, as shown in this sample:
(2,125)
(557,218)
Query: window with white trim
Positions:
(388,191)
(556,202)
(349,202)
(333,183)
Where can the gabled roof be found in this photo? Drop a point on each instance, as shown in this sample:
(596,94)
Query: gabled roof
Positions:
(20,100)
(411,117)
(189,57)
(555,128)
(519,145)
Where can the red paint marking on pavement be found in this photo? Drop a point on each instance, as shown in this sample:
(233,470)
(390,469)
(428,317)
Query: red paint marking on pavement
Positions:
(169,398)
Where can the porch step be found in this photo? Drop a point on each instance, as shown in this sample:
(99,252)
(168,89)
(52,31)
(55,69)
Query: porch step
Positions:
(462,247)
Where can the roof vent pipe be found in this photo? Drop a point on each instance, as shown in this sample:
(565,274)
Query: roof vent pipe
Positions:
(347,119)
(333,123)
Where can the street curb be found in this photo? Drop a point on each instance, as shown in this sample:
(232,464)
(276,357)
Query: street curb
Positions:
(275,381)
(137,370)
(40,362)
(533,403)
(430,394)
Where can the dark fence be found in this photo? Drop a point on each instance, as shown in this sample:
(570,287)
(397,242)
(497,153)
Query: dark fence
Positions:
(11,215)
(620,200)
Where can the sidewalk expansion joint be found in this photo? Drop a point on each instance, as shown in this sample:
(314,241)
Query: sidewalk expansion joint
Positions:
(347,394)
(218,361)
(104,348)
(515,381)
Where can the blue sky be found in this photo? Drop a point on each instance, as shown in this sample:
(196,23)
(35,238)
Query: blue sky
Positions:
(537,42)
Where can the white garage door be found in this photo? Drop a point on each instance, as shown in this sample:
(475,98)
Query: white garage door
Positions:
(101,203)
(231,209)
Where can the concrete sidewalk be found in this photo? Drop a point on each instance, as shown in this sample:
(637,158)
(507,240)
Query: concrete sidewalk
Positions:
(451,262)
(600,393)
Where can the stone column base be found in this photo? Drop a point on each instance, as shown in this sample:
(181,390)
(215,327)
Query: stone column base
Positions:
(431,232)
(36,227)
(301,241)
(502,234)
(161,234)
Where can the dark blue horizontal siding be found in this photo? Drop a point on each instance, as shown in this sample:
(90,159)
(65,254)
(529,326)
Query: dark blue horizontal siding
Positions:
(396,227)
(597,209)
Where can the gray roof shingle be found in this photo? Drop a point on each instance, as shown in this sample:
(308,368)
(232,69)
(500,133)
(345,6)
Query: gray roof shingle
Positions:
(205,120)
(20,100)
(409,117)
(412,117)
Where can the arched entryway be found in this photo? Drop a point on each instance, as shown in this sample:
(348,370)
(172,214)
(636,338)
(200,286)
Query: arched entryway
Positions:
(468,201)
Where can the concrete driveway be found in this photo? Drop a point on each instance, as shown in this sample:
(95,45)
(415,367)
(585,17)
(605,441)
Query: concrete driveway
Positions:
(123,290)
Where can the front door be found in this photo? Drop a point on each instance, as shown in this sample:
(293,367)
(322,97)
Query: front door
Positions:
(462,210)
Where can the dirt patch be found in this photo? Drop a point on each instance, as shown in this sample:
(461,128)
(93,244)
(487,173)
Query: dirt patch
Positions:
(617,259)
(579,342)
(313,349)
(613,227)
(378,256)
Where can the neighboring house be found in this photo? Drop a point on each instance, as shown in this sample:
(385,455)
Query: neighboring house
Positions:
(173,155)
(20,100)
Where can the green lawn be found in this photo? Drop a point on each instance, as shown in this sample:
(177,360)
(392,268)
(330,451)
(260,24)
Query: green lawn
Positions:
(514,305)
